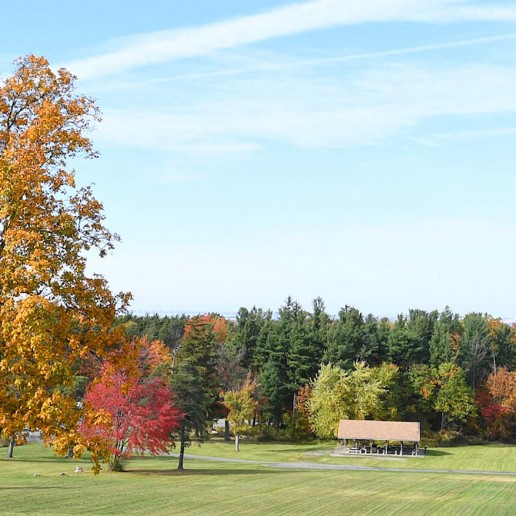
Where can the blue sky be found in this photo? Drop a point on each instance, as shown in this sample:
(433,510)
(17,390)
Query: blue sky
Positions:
(361,151)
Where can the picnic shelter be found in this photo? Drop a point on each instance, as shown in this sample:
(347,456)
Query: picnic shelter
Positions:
(361,436)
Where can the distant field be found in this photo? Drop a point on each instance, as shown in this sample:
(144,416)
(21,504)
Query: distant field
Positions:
(153,485)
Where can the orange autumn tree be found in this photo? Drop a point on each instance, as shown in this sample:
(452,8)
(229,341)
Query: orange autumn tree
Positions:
(52,313)
(153,354)
(217,323)
(497,403)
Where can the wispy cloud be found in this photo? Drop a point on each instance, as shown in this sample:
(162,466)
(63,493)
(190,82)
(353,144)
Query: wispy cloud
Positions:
(493,132)
(270,67)
(434,140)
(314,111)
(158,47)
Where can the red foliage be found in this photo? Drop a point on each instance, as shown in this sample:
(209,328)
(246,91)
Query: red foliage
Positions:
(138,416)
(497,403)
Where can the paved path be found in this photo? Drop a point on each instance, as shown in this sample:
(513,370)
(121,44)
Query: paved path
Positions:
(345,467)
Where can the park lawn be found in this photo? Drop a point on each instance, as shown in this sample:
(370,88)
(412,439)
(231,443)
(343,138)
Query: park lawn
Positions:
(261,451)
(495,457)
(153,485)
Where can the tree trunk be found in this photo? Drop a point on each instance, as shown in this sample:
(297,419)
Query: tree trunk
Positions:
(227,436)
(10,449)
(277,420)
(237,442)
(182,450)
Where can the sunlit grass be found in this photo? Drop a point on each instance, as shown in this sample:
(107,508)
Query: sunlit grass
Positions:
(153,485)
(494,457)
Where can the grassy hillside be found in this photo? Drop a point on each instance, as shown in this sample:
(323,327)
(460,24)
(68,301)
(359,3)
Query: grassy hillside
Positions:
(153,486)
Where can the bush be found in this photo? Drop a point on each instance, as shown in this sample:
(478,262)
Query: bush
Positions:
(297,430)
(117,463)
(446,438)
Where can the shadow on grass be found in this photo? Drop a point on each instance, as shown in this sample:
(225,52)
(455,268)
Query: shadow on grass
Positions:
(300,450)
(169,458)
(61,460)
(436,453)
(201,472)
(31,487)
(254,442)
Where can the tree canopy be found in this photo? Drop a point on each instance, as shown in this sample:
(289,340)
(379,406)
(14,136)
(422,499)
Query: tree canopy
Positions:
(52,312)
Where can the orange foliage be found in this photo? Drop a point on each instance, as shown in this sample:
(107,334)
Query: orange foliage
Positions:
(52,313)
(497,403)
(456,341)
(302,398)
(218,324)
(158,353)
(502,387)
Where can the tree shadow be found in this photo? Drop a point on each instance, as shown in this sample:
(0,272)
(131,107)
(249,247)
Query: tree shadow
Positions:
(152,457)
(436,453)
(29,488)
(62,460)
(300,449)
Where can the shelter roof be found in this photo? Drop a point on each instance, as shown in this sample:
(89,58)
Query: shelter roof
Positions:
(379,430)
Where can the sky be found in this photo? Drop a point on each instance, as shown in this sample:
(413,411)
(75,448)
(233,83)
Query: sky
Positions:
(362,151)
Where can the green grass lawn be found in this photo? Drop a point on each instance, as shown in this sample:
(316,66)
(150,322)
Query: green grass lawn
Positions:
(154,486)
(484,458)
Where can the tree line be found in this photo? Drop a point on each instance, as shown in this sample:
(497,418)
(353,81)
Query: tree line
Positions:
(450,372)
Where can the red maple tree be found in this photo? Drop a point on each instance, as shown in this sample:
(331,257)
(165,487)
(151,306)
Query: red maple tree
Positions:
(136,415)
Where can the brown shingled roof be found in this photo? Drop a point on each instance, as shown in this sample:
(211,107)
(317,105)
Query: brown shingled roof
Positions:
(379,430)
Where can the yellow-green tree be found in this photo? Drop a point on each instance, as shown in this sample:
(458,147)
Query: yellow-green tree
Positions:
(329,401)
(52,313)
(338,394)
(241,407)
(454,399)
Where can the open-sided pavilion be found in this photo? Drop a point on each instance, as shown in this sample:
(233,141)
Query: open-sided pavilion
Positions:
(365,435)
